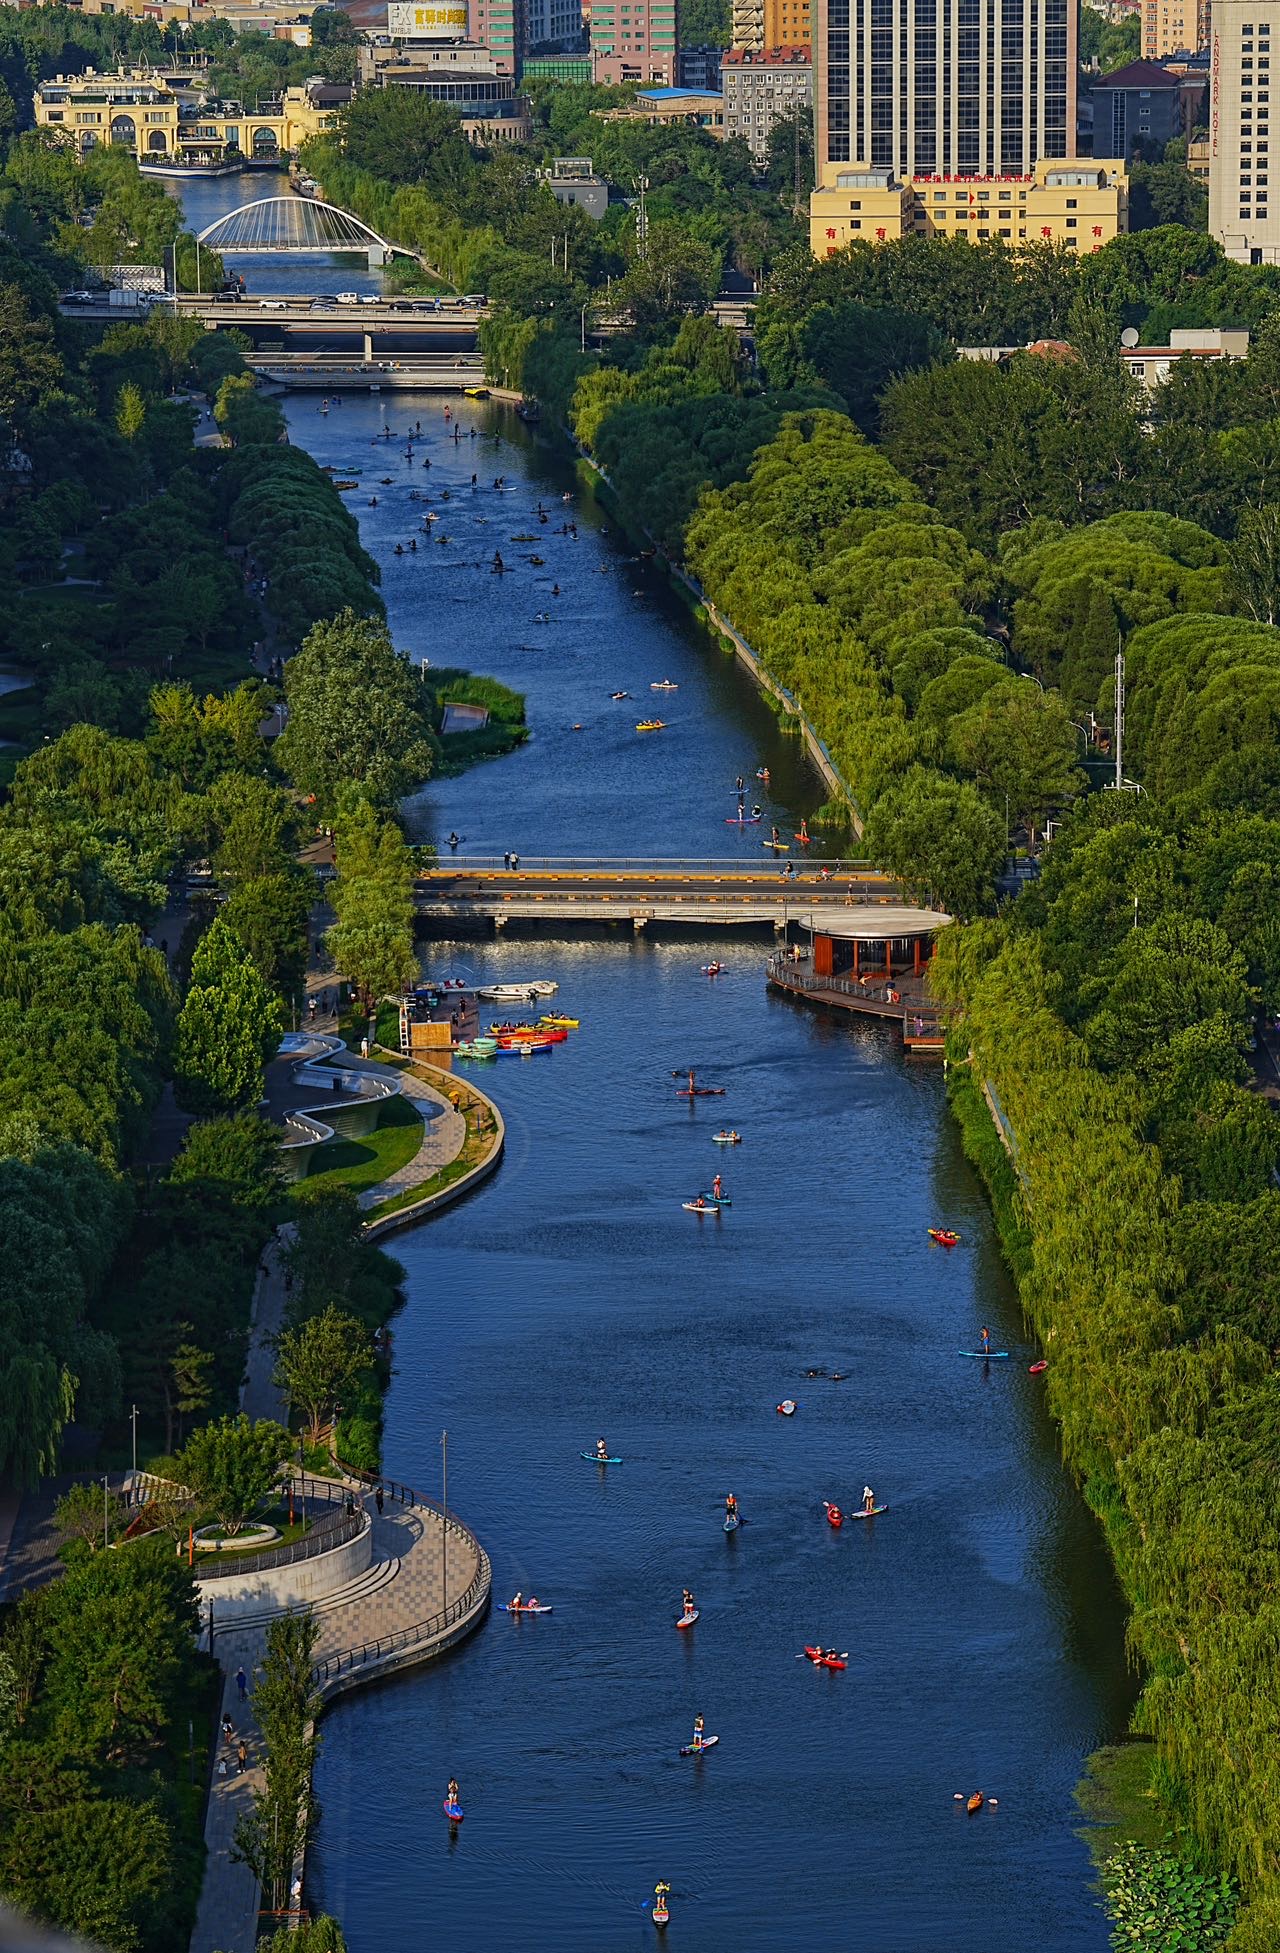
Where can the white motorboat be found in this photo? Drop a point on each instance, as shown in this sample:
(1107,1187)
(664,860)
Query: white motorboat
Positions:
(516,993)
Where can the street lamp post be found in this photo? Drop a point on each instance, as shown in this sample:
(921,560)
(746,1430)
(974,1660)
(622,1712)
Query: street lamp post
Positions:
(444,1530)
(583,324)
(133,1419)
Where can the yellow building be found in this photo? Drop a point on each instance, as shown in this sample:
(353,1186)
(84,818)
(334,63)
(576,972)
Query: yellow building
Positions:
(1174,27)
(138,110)
(1077,203)
(787,23)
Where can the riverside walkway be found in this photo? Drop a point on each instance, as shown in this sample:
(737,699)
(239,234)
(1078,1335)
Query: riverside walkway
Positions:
(426,1586)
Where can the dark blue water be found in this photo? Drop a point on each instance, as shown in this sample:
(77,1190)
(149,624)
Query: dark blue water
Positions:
(572,1298)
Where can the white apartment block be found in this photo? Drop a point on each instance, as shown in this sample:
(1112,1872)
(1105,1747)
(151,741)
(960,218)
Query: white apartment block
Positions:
(1243,216)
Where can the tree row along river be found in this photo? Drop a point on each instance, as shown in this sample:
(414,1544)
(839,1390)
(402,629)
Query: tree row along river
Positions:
(572,1298)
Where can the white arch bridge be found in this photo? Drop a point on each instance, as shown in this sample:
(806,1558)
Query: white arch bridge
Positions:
(295,225)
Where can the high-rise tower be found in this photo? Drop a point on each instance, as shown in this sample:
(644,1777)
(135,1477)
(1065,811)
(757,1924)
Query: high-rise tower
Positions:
(945,87)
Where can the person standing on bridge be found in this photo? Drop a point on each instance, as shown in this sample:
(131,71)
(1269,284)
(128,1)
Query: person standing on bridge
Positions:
(506,859)
(515,863)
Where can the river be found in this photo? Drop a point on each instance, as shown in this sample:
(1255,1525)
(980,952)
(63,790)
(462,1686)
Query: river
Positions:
(572,1298)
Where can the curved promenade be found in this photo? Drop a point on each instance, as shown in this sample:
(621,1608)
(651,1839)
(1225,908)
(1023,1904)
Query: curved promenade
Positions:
(425,1585)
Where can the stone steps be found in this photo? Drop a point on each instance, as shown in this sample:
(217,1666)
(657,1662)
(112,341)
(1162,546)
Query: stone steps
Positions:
(371,1581)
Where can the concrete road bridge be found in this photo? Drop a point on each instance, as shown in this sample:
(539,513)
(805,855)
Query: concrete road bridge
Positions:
(722,894)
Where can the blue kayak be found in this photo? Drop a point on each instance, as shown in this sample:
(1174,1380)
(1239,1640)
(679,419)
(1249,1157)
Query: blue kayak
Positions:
(594,1458)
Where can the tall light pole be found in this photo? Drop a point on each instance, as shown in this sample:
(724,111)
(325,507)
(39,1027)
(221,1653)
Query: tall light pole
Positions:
(583,323)
(133,1419)
(1119,714)
(104,1513)
(444,1530)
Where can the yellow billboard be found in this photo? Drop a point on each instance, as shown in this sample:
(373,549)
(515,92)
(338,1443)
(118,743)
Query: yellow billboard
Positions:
(439,20)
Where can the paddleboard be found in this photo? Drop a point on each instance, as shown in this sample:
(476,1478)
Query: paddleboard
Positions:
(507,1608)
(707,1743)
(732,1523)
(862,1512)
(707,1207)
(453,1812)
(687,1620)
(747,820)
(594,1458)
(983,1355)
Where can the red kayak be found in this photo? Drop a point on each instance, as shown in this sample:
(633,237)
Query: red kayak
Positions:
(834,1515)
(1034,1369)
(821,1659)
(945,1237)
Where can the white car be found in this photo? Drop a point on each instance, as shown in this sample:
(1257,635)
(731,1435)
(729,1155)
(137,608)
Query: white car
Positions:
(348,298)
(273,305)
(370,298)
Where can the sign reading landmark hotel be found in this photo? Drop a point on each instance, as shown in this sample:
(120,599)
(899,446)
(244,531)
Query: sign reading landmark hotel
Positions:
(436,20)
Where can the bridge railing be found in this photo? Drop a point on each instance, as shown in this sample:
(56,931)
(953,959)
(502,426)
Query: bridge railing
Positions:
(465,864)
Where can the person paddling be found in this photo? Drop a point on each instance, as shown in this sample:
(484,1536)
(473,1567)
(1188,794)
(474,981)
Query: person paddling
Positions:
(688,1602)
(515,1603)
(730,1506)
(717,1188)
(602,1450)
(868,1499)
(698,1726)
(986,1342)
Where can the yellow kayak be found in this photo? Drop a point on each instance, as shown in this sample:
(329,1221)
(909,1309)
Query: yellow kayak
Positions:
(565,1023)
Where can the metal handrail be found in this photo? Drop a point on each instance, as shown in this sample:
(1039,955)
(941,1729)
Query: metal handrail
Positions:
(387,1644)
(324,1539)
(462,864)
(356,1657)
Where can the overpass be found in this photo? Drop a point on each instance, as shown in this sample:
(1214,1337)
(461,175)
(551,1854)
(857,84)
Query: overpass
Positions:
(721,894)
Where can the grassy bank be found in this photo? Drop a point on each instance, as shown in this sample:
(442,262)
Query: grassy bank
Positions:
(361,1163)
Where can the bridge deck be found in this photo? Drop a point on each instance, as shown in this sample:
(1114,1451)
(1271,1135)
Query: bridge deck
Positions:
(851,901)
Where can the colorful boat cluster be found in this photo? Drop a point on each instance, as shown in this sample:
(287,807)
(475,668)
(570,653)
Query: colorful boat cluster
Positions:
(520,1040)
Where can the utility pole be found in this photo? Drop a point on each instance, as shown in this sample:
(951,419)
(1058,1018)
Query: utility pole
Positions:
(133,1419)
(1119,714)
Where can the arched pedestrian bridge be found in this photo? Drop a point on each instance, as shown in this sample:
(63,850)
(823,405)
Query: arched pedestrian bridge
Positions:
(293,226)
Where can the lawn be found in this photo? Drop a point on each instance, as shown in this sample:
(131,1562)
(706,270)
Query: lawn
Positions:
(360,1163)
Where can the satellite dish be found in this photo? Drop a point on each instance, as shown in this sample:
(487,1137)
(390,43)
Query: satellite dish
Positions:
(1129,337)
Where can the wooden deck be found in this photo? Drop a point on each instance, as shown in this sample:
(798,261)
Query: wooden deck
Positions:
(902,999)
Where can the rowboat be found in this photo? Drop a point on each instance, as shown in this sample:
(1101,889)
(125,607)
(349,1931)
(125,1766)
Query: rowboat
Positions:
(476,1048)
(974,1804)
(549,1036)
(476,393)
(562,1023)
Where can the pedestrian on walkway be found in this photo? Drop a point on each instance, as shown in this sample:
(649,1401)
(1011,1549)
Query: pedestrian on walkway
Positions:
(242,1758)
(228,1730)
(222,1766)
(242,1683)
(378,1501)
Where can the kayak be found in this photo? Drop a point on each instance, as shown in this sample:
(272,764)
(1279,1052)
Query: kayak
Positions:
(974,1804)
(696,1749)
(983,1355)
(453,1812)
(711,969)
(700,1207)
(834,1515)
(944,1236)
(507,1608)
(874,1513)
(731,1522)
(1034,1369)
(687,1620)
(787,1408)
(821,1660)
(594,1458)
